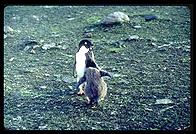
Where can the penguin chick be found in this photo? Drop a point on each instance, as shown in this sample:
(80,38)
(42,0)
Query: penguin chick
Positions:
(95,88)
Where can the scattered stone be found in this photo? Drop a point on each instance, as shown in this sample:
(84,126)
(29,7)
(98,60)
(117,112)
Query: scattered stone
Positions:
(46,74)
(93,128)
(153,39)
(148,109)
(116,75)
(8,29)
(11,59)
(164,109)
(150,17)
(113,113)
(48,46)
(42,127)
(164,45)
(42,87)
(27,48)
(35,17)
(32,51)
(62,47)
(116,17)
(164,101)
(153,44)
(132,38)
(5,36)
(71,19)
(36,46)
(137,27)
(70,87)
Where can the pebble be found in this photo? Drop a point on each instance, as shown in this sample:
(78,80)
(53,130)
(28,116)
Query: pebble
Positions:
(42,87)
(48,46)
(27,48)
(148,109)
(35,17)
(8,29)
(42,127)
(70,87)
(116,75)
(32,51)
(5,36)
(115,17)
(133,37)
(11,59)
(113,113)
(71,19)
(164,101)
(153,44)
(46,74)
(137,27)
(150,17)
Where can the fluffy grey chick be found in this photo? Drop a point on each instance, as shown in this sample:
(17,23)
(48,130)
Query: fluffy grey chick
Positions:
(95,88)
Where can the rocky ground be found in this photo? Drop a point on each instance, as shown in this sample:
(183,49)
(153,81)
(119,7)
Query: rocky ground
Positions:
(149,61)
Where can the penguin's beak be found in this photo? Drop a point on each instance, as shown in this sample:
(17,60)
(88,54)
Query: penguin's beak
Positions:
(91,49)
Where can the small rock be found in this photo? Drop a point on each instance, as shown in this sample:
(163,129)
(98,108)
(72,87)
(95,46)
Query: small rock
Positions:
(89,30)
(46,74)
(93,128)
(36,46)
(32,51)
(27,48)
(113,113)
(116,75)
(116,17)
(42,87)
(164,109)
(11,59)
(150,17)
(132,38)
(71,19)
(35,17)
(42,127)
(148,109)
(70,87)
(164,101)
(48,46)
(137,27)
(5,36)
(8,29)
(153,44)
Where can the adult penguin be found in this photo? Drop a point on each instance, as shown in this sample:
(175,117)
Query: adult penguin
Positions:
(84,58)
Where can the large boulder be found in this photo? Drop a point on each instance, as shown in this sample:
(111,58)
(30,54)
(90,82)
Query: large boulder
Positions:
(116,17)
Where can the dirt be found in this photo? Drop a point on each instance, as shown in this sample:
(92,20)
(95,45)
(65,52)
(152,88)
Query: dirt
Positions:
(39,89)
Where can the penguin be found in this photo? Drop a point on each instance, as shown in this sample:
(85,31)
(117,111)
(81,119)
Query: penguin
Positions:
(95,88)
(84,58)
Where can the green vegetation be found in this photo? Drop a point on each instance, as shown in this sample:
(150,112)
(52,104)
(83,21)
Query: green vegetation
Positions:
(38,83)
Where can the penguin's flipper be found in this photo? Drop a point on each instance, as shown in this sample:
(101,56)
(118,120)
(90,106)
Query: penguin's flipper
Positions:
(105,73)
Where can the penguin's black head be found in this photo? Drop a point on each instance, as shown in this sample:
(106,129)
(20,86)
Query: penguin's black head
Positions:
(86,43)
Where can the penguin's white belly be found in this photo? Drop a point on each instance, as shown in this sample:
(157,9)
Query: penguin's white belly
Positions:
(80,64)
